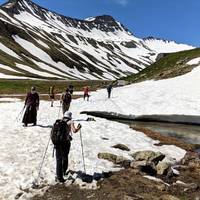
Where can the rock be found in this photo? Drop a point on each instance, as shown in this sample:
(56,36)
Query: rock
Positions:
(18,195)
(123,162)
(144,166)
(149,156)
(107,156)
(138,164)
(168,197)
(122,147)
(163,168)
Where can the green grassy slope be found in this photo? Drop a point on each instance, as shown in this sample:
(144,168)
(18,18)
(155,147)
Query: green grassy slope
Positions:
(23,86)
(170,66)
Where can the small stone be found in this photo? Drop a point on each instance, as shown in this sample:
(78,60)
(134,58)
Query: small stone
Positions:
(18,195)
(121,147)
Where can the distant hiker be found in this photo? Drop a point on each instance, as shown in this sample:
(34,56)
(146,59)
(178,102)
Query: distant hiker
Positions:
(32,105)
(86,93)
(109,89)
(65,101)
(51,94)
(71,89)
(61,138)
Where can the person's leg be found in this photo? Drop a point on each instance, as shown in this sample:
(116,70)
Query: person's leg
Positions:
(66,150)
(88,97)
(34,116)
(108,94)
(59,160)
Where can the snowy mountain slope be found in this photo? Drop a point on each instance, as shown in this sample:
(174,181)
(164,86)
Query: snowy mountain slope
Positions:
(53,46)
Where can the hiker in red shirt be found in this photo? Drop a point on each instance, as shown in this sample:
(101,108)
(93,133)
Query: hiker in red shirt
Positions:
(86,93)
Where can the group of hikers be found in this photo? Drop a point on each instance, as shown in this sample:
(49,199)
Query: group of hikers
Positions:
(62,129)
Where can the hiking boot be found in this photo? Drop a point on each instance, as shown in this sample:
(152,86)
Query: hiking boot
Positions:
(24,125)
(60,180)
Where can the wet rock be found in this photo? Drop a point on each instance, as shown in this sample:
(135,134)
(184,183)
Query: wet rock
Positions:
(149,156)
(107,156)
(163,168)
(168,197)
(122,147)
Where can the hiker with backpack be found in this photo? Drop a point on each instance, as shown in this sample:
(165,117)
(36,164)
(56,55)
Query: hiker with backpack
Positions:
(71,89)
(61,138)
(65,101)
(32,106)
(51,94)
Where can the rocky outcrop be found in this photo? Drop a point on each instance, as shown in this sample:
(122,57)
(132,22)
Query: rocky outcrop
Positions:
(149,156)
(151,163)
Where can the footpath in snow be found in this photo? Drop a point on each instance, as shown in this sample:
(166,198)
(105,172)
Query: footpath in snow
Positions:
(22,148)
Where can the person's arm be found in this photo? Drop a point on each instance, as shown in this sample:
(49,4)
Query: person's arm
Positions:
(75,129)
(26,100)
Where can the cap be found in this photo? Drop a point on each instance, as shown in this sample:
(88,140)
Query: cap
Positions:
(68,115)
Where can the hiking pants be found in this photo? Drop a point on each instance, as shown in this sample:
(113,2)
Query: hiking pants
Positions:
(62,152)
(109,93)
(65,107)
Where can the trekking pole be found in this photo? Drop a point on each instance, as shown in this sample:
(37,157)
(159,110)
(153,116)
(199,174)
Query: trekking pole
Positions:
(82,151)
(59,111)
(35,183)
(20,113)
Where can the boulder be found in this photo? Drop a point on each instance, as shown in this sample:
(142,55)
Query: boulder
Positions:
(149,156)
(163,168)
(144,166)
(107,156)
(121,147)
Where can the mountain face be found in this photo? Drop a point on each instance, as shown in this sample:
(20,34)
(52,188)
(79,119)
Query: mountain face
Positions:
(38,43)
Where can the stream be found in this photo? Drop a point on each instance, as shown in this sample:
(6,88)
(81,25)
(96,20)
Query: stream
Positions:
(185,128)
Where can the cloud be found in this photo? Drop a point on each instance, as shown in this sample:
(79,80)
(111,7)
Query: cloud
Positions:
(121,2)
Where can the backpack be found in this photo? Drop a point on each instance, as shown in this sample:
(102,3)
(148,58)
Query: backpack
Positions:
(67,98)
(60,132)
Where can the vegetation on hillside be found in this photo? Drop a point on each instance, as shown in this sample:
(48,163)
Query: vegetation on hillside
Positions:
(23,86)
(169,66)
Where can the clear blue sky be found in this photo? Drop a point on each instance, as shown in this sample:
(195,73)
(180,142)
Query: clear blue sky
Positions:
(177,20)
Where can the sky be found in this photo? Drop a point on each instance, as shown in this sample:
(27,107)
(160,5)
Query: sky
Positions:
(168,19)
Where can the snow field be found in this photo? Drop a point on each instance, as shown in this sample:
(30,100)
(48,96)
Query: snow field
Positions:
(23,148)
